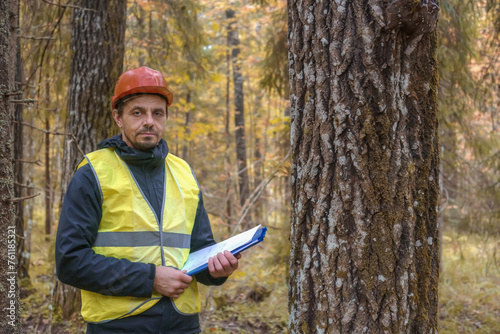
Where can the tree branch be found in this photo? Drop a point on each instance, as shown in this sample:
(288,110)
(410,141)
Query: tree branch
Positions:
(258,190)
(43,130)
(73,139)
(24,101)
(23,185)
(37,162)
(37,38)
(70,6)
(20,199)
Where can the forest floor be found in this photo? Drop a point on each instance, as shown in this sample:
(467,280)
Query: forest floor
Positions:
(254,300)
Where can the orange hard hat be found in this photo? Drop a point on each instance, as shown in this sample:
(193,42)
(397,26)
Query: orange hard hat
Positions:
(142,80)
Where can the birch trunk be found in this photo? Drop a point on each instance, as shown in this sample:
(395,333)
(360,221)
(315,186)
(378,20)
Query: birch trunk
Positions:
(365,166)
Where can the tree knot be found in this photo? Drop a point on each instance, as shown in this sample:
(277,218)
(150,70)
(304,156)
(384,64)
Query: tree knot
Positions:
(413,17)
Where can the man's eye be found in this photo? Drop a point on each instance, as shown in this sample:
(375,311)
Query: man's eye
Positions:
(137,113)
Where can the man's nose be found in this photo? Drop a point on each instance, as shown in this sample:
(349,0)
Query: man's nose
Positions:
(148,120)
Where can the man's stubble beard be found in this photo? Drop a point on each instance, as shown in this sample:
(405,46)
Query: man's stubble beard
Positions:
(144,145)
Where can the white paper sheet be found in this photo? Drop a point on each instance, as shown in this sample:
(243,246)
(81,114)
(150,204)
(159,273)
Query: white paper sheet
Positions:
(201,257)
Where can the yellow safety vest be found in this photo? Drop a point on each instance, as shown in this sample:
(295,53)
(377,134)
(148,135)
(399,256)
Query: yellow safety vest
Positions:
(129,229)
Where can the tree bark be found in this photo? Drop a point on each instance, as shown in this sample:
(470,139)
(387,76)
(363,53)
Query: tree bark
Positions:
(97,62)
(9,301)
(48,187)
(239,116)
(365,166)
(22,244)
(227,166)
(187,130)
(48,196)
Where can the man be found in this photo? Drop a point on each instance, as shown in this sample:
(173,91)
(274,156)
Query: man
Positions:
(131,215)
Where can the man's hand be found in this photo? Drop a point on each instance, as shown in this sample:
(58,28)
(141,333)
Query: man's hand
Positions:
(223,264)
(171,282)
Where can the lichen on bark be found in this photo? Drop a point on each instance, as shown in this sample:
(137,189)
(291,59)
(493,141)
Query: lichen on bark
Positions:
(364,143)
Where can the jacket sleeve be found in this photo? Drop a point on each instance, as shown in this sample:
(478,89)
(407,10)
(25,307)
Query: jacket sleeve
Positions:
(76,263)
(202,237)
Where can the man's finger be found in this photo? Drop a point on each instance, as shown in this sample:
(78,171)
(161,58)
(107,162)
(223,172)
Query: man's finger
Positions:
(233,261)
(211,266)
(223,260)
(217,264)
(186,279)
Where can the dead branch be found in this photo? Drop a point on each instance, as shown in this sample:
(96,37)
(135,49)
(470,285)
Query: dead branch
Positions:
(23,185)
(70,6)
(73,139)
(43,130)
(37,38)
(20,199)
(19,92)
(37,162)
(258,190)
(24,101)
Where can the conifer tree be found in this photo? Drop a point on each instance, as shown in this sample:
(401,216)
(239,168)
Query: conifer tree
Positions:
(9,301)
(365,166)
(96,63)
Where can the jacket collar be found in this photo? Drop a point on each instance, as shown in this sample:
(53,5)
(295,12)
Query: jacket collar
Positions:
(149,158)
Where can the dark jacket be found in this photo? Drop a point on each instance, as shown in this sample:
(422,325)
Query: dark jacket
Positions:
(76,262)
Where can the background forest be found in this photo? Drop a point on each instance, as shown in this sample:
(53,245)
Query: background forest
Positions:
(227,64)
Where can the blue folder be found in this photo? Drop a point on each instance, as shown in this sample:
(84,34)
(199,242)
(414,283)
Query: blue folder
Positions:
(257,238)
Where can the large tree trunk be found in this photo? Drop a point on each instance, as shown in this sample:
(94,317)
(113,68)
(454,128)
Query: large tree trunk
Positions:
(9,301)
(96,63)
(365,167)
(239,116)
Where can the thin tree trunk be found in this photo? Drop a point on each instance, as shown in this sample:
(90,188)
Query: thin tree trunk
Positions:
(142,34)
(258,163)
(239,117)
(228,202)
(9,301)
(48,187)
(365,167)
(151,37)
(187,130)
(22,261)
(48,197)
(96,63)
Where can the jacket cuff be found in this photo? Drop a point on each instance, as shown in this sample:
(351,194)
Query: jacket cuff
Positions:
(151,279)
(205,278)
(152,271)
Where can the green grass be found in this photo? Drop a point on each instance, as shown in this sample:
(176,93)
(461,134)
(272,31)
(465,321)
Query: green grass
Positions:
(469,291)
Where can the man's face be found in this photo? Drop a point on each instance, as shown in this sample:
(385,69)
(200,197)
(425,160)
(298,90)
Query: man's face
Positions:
(143,121)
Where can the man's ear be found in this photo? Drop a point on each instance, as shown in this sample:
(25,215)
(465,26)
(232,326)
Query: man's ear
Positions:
(117,118)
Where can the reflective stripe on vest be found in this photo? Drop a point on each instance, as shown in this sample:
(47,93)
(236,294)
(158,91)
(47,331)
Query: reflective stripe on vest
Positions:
(130,229)
(141,239)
